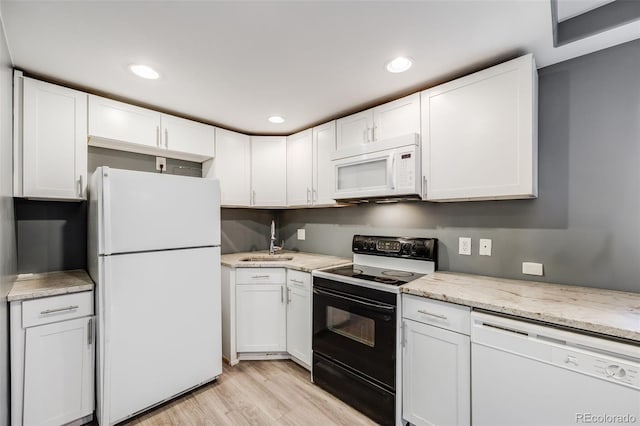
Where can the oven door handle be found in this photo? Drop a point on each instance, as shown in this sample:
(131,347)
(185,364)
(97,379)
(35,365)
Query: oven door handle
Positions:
(387,308)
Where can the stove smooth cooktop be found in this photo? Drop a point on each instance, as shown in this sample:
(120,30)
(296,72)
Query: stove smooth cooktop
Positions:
(378,275)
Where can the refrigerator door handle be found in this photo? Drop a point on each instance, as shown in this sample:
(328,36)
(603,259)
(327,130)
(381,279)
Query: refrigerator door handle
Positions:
(106,212)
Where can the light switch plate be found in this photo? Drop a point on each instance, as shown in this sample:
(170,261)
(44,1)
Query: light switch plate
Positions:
(301,234)
(532,268)
(464,246)
(485,247)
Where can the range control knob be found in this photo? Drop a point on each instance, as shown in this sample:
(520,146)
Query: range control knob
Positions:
(372,245)
(405,248)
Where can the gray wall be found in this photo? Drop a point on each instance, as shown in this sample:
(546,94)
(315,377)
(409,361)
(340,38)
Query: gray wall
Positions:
(7,230)
(246,230)
(241,229)
(584,226)
(52,236)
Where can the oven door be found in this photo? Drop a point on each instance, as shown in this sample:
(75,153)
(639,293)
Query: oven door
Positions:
(355,330)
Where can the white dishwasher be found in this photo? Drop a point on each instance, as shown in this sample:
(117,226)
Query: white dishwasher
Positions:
(528,374)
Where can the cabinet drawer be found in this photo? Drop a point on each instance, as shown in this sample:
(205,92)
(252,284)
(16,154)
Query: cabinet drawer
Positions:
(299,279)
(56,308)
(260,276)
(441,314)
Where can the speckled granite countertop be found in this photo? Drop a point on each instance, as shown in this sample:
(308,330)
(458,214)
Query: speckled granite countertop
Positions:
(32,286)
(305,262)
(614,313)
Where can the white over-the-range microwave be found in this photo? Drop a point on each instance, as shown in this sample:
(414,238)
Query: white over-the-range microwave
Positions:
(391,173)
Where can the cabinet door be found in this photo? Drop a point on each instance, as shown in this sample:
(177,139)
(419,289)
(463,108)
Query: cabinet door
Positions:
(299,316)
(54,141)
(397,118)
(324,141)
(117,123)
(261,318)
(195,141)
(268,171)
(58,372)
(232,167)
(480,134)
(354,130)
(299,168)
(435,376)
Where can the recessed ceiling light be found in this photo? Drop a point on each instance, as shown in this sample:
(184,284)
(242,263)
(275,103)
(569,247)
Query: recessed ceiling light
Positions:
(399,64)
(144,71)
(276,119)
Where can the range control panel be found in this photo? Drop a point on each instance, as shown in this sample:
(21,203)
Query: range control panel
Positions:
(404,247)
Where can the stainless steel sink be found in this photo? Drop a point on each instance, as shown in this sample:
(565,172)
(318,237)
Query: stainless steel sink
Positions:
(267,258)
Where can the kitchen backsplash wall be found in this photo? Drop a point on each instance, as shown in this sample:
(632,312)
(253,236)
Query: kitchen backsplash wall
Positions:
(51,236)
(144,163)
(245,230)
(584,226)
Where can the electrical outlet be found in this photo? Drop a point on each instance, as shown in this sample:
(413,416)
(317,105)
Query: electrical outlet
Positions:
(464,246)
(531,268)
(301,234)
(485,247)
(161,164)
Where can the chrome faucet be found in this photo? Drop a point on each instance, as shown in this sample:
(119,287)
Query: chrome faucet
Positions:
(273,248)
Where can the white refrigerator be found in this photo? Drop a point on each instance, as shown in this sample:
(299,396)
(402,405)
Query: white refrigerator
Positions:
(154,254)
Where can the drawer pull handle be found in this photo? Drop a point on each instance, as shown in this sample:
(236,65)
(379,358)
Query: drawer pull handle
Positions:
(260,276)
(293,280)
(53,311)
(423,312)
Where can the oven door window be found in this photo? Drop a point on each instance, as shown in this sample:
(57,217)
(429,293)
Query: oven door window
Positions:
(353,326)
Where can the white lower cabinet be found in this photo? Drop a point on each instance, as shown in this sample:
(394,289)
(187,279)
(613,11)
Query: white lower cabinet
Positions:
(261,318)
(299,316)
(273,314)
(436,388)
(52,360)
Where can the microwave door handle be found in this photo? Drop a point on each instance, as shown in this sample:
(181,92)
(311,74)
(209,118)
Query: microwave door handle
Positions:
(392,171)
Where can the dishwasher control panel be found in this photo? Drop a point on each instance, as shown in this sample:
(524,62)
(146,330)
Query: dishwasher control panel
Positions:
(608,368)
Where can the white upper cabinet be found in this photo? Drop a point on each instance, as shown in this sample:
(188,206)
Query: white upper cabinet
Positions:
(480,135)
(386,126)
(187,137)
(397,118)
(50,139)
(324,141)
(118,125)
(354,130)
(268,171)
(232,166)
(300,169)
(309,169)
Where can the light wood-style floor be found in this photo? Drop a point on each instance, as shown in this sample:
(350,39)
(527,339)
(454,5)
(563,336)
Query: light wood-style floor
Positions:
(256,393)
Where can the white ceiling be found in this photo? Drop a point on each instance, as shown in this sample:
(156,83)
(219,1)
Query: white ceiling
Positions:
(235,63)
